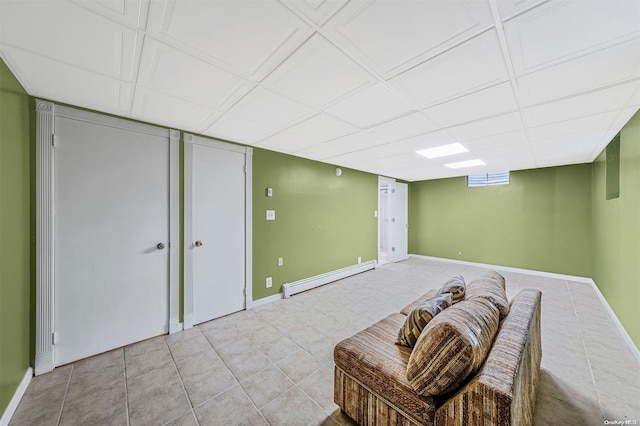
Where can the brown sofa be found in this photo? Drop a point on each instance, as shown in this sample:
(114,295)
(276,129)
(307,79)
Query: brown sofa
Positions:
(371,385)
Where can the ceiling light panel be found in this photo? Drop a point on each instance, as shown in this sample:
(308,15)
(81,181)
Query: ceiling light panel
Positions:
(168,70)
(370,106)
(317,11)
(405,127)
(269,108)
(558,31)
(443,150)
(64,83)
(310,74)
(484,103)
(238,129)
(469,67)
(152,106)
(393,36)
(76,36)
(251,37)
(464,164)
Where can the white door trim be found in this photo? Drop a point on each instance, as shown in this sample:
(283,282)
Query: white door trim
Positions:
(189,141)
(391,182)
(45,238)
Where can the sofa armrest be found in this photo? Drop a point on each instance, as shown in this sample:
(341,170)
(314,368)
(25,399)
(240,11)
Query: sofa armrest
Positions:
(504,390)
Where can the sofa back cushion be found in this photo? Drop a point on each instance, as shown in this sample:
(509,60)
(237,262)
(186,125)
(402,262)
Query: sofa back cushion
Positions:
(420,316)
(452,347)
(490,286)
(456,286)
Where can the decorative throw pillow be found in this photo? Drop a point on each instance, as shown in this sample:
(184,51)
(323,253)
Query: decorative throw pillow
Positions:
(490,286)
(456,287)
(419,317)
(452,347)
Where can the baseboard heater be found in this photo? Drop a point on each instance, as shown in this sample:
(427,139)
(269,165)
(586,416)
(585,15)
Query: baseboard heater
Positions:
(299,286)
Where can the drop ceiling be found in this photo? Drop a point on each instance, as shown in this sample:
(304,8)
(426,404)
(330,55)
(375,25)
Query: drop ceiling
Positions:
(360,84)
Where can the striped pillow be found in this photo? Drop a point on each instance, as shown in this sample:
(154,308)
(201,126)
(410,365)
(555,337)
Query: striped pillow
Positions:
(419,317)
(456,287)
(490,286)
(452,347)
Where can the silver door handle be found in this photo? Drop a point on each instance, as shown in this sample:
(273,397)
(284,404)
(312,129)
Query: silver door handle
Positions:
(160,246)
(198,243)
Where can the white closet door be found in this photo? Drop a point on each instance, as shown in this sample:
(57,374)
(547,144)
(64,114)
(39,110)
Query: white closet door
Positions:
(218,232)
(400,222)
(111,198)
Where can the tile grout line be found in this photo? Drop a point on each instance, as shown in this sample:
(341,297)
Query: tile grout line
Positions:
(126,386)
(184,389)
(586,352)
(66,392)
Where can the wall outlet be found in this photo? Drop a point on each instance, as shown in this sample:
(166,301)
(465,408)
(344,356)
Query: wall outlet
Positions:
(359,259)
(269,282)
(271,215)
(460,253)
(375,213)
(280,261)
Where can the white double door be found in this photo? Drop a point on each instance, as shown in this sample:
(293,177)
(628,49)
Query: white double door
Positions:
(111,228)
(215,228)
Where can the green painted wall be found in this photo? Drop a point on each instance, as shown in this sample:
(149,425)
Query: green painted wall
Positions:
(616,231)
(323,222)
(540,221)
(15,218)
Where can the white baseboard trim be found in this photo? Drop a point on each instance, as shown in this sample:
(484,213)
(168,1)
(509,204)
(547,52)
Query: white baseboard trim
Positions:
(305,284)
(625,335)
(17,396)
(509,269)
(175,326)
(616,321)
(188,321)
(264,301)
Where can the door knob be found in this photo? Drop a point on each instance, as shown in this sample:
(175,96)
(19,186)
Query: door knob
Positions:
(198,243)
(160,246)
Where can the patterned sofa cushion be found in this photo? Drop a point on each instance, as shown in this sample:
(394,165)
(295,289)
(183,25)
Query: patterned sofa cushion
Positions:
(372,358)
(420,316)
(419,301)
(490,286)
(456,286)
(452,347)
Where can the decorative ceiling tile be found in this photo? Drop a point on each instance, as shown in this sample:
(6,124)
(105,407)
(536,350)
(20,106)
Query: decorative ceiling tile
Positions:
(471,66)
(238,129)
(351,143)
(252,37)
(404,127)
(69,84)
(130,12)
(269,108)
(317,11)
(165,69)
(392,36)
(69,34)
(371,106)
(317,74)
(150,106)
(484,103)
(506,123)
(571,29)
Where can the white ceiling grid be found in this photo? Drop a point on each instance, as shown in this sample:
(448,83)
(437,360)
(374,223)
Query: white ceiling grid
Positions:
(361,84)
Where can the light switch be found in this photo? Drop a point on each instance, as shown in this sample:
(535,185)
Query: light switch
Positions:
(280,261)
(269,192)
(271,215)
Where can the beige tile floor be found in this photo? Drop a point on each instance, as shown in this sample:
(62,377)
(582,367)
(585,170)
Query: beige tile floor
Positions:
(273,364)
